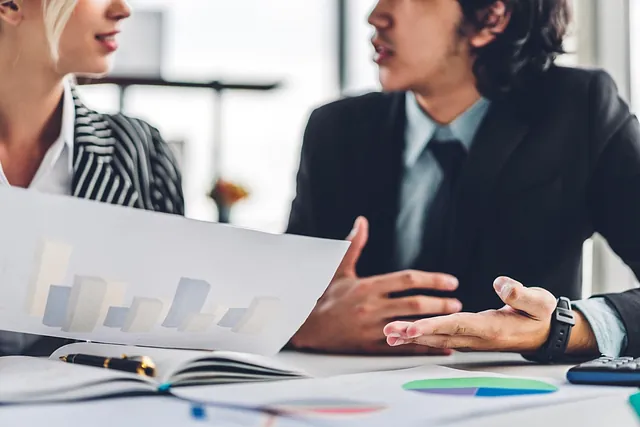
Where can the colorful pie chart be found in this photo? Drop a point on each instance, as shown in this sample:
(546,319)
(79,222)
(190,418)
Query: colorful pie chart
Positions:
(480,387)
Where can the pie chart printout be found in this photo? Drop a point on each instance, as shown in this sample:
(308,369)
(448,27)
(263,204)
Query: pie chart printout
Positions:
(480,387)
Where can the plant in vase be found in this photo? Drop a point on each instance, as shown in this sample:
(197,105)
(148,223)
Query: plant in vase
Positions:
(225,194)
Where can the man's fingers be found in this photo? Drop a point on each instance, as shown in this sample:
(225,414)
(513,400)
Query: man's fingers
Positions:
(446,333)
(466,324)
(444,342)
(537,303)
(419,305)
(358,238)
(396,329)
(412,279)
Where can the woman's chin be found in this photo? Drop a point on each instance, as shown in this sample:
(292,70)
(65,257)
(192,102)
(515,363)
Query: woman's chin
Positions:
(99,69)
(93,74)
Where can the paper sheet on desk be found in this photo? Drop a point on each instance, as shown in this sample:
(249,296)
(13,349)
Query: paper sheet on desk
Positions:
(90,271)
(381,398)
(134,412)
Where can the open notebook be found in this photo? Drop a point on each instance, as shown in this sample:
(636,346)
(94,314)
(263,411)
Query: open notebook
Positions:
(29,380)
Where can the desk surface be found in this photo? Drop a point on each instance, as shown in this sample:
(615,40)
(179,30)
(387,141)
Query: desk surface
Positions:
(505,363)
(612,410)
(609,411)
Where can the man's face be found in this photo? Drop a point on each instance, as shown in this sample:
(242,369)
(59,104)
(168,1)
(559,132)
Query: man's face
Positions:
(418,43)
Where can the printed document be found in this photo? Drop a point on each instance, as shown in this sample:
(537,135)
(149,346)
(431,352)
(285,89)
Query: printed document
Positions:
(91,271)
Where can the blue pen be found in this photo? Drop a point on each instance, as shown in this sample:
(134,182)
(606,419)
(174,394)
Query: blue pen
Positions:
(198,412)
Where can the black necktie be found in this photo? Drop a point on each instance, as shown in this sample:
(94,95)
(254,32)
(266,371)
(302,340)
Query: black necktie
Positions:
(450,156)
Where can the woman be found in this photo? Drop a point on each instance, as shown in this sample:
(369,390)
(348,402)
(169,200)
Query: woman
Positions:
(49,141)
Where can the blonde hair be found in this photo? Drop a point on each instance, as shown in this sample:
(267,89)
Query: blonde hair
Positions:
(56,16)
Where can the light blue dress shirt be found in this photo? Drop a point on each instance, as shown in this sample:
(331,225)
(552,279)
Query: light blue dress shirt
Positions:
(421,178)
(422,174)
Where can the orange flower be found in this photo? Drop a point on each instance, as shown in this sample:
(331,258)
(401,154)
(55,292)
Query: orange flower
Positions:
(227,192)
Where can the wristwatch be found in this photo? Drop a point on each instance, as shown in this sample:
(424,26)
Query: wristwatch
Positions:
(562,320)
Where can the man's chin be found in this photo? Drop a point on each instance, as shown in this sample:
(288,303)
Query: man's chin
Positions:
(390,84)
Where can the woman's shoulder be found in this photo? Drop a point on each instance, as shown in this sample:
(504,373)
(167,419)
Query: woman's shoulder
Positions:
(132,136)
(132,133)
(123,125)
(117,127)
(129,135)
(138,152)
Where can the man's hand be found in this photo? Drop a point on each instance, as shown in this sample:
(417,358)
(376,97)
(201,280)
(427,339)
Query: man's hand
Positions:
(521,326)
(350,316)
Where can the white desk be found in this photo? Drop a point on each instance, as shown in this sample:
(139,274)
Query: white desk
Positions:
(605,412)
(326,365)
(610,411)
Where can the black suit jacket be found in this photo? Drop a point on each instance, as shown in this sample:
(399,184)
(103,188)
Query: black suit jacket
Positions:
(550,165)
(123,161)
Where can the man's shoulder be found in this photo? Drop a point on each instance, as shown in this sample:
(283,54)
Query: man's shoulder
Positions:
(568,90)
(588,97)
(567,81)
(576,74)
(366,106)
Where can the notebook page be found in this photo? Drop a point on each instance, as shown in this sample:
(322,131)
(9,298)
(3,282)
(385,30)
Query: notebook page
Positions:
(30,378)
(263,361)
(166,361)
(169,363)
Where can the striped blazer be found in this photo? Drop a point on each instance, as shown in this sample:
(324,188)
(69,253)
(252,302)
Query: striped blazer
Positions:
(117,160)
(124,161)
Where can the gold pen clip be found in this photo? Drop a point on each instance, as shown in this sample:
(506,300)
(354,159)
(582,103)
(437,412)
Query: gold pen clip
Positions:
(147,367)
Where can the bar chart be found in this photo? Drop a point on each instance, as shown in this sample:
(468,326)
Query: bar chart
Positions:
(93,301)
(188,312)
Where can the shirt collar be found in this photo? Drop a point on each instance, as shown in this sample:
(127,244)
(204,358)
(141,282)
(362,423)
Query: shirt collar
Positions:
(421,128)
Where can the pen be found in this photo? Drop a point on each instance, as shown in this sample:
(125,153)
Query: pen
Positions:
(142,365)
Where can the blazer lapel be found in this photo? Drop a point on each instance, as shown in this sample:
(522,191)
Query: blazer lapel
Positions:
(380,175)
(502,131)
(97,173)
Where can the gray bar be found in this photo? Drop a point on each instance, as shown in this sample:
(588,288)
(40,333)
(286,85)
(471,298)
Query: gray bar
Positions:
(116,317)
(56,309)
(232,318)
(189,299)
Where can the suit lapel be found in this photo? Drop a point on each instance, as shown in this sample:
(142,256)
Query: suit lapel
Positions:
(97,173)
(502,131)
(380,177)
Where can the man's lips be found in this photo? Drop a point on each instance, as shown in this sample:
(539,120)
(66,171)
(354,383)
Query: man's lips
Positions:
(382,51)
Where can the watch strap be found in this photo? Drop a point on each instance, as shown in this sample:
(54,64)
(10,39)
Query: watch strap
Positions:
(554,348)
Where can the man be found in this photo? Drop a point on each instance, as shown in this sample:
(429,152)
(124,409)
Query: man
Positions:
(480,159)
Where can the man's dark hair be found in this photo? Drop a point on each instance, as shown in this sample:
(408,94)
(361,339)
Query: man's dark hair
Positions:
(530,43)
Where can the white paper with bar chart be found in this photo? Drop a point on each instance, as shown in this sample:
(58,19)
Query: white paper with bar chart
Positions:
(90,271)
